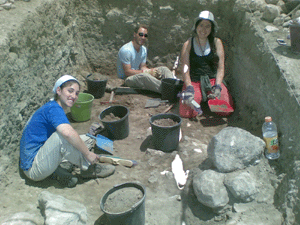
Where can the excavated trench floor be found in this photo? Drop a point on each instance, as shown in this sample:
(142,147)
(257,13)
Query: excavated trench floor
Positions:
(164,202)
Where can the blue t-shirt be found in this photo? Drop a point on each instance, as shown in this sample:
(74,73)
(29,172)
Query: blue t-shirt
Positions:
(128,55)
(38,129)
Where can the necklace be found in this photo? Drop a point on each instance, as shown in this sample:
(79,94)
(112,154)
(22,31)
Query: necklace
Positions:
(201,49)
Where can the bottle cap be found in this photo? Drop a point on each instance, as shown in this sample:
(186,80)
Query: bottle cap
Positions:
(268,119)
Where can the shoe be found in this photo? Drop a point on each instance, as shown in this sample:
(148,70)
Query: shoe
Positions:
(64,177)
(98,171)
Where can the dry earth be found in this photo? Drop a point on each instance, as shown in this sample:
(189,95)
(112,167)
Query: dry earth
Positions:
(162,194)
(165,204)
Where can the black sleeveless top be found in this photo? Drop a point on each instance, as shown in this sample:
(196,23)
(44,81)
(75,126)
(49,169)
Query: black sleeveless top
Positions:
(202,65)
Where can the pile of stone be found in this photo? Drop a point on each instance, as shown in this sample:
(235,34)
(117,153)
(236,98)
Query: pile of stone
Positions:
(277,12)
(241,185)
(9,4)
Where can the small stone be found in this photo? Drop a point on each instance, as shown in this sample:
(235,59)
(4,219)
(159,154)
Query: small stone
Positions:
(287,24)
(271,29)
(152,179)
(166,9)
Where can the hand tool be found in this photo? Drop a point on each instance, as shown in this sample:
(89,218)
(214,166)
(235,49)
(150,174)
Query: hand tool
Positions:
(117,160)
(103,143)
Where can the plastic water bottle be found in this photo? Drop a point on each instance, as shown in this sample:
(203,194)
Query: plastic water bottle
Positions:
(270,136)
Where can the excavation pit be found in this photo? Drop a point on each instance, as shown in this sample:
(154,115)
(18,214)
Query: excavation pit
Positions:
(79,37)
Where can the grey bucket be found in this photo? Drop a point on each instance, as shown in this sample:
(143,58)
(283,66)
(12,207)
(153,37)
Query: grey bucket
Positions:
(133,216)
(165,138)
(295,38)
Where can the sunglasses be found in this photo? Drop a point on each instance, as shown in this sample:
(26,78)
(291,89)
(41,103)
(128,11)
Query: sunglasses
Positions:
(143,35)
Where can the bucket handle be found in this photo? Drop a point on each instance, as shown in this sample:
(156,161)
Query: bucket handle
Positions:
(88,76)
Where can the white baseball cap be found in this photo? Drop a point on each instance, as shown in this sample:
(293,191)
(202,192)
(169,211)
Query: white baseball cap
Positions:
(62,80)
(206,15)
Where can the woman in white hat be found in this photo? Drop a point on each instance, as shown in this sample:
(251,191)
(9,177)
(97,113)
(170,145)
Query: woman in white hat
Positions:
(202,63)
(48,139)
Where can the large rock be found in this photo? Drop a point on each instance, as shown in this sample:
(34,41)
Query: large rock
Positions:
(242,185)
(270,13)
(210,190)
(234,148)
(60,211)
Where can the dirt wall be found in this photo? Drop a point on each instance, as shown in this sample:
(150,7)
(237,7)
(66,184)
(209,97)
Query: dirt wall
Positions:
(76,37)
(261,88)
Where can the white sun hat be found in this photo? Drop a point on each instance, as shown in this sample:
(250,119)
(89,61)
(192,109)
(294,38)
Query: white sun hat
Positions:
(62,80)
(206,15)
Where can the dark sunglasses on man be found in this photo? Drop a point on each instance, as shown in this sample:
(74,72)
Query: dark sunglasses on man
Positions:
(143,35)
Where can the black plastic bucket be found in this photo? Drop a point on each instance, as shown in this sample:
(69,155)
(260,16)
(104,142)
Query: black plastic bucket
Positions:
(118,129)
(96,87)
(170,88)
(134,216)
(165,138)
(295,37)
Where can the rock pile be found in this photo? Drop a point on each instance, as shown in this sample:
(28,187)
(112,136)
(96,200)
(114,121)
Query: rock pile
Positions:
(242,179)
(276,12)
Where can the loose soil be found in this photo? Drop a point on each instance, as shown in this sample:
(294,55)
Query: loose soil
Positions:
(97,77)
(165,122)
(110,117)
(122,200)
(218,108)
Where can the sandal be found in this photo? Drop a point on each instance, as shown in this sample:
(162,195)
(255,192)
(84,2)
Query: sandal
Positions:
(98,171)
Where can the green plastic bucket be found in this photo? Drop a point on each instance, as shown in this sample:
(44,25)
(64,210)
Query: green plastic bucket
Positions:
(81,110)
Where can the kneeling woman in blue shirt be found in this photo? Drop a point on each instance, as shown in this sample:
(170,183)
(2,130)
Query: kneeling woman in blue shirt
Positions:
(48,139)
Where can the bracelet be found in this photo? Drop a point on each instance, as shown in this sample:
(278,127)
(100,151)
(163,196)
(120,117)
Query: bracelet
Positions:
(217,86)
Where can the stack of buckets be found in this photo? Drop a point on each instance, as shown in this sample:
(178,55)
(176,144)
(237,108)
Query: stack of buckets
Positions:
(81,110)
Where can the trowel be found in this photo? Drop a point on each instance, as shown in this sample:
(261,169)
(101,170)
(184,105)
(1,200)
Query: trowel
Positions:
(103,143)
